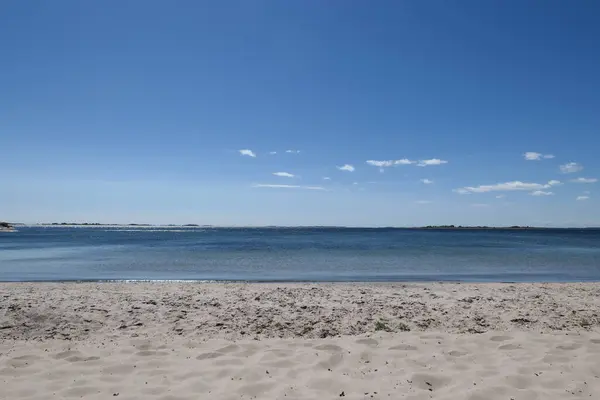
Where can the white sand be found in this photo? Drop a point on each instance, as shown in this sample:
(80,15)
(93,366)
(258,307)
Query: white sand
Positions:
(185,341)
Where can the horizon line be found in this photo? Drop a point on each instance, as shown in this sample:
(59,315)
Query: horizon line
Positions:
(192,225)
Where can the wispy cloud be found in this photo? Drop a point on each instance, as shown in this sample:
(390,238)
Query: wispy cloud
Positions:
(541,193)
(501,196)
(382,164)
(461,191)
(272,153)
(582,198)
(427,181)
(247,152)
(346,167)
(423,201)
(284,174)
(405,161)
(533,156)
(326,178)
(585,180)
(293,151)
(433,161)
(570,168)
(506,187)
(275,186)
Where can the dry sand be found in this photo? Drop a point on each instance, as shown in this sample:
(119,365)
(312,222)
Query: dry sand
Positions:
(174,341)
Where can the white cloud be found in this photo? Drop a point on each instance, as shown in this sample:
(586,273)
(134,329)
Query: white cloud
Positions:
(293,151)
(326,178)
(273,186)
(405,161)
(533,156)
(284,174)
(272,153)
(433,161)
(585,180)
(570,168)
(380,164)
(346,167)
(541,193)
(247,152)
(355,183)
(427,181)
(507,187)
(389,163)
(581,198)
(461,191)
(423,201)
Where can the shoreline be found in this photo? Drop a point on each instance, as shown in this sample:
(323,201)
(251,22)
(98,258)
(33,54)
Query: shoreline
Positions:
(184,341)
(233,311)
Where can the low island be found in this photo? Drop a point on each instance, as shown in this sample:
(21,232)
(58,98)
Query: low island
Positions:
(6,227)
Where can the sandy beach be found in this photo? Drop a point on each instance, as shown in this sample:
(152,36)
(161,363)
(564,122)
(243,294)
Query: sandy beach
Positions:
(307,341)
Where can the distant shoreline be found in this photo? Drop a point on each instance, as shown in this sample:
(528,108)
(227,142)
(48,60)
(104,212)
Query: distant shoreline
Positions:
(6,227)
(324,227)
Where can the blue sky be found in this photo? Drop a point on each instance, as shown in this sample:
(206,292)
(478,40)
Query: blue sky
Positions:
(137,111)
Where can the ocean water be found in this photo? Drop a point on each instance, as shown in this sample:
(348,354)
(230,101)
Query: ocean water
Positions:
(298,254)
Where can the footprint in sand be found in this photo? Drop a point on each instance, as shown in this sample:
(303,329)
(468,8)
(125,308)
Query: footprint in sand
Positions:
(81,358)
(275,354)
(553,358)
(208,356)
(404,347)
(595,341)
(329,347)
(151,353)
(368,341)
(22,361)
(118,369)
(232,348)
(141,345)
(280,364)
(29,357)
(510,346)
(457,353)
(572,346)
(66,354)
(500,338)
(333,361)
(247,353)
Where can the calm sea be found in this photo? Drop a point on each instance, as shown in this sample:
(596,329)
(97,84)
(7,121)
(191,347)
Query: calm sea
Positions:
(298,254)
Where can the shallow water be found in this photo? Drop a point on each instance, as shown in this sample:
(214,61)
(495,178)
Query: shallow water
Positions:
(298,254)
